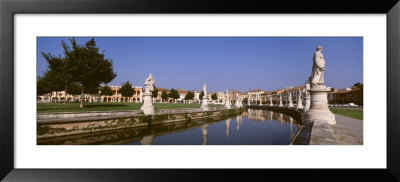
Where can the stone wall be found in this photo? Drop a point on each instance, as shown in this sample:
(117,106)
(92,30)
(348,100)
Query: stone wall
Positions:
(56,128)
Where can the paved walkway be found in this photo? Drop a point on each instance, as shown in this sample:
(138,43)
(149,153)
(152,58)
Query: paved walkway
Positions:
(348,131)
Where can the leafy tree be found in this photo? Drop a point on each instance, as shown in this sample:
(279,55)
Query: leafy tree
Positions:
(201,95)
(189,96)
(357,84)
(154,93)
(84,65)
(126,89)
(106,90)
(173,94)
(55,75)
(164,95)
(42,86)
(73,89)
(91,90)
(214,96)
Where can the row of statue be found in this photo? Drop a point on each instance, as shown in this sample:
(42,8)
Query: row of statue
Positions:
(314,89)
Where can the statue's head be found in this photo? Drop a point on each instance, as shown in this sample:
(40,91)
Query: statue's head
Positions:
(319,48)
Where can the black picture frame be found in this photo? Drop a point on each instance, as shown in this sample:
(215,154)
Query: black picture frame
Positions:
(8,8)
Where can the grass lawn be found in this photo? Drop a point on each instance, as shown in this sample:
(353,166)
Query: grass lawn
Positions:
(357,114)
(104,106)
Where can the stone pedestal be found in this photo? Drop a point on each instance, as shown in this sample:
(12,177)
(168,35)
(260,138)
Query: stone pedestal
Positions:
(260,103)
(307,104)
(227,104)
(147,107)
(280,103)
(237,103)
(204,105)
(290,103)
(299,104)
(319,106)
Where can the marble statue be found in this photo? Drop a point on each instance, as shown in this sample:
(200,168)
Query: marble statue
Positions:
(237,100)
(204,104)
(227,102)
(307,96)
(147,106)
(290,100)
(318,109)
(280,101)
(205,91)
(149,83)
(318,68)
(299,101)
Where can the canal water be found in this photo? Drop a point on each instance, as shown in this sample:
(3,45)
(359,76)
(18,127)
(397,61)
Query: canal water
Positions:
(252,127)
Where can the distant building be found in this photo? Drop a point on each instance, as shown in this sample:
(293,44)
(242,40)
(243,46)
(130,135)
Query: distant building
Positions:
(254,96)
(350,95)
(115,97)
(295,93)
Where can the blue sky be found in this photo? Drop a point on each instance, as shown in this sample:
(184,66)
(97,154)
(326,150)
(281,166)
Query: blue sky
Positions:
(236,63)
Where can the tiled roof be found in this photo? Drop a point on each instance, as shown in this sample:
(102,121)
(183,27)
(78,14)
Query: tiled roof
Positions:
(296,88)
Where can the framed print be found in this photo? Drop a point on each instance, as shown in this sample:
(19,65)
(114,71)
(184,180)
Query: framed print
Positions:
(246,79)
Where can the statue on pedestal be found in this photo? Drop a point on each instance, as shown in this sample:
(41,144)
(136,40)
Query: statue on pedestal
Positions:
(227,102)
(290,100)
(237,101)
(319,93)
(204,105)
(147,106)
(299,101)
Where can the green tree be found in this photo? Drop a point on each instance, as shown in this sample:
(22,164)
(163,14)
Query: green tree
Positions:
(126,89)
(73,89)
(55,75)
(154,93)
(42,86)
(164,95)
(173,94)
(201,95)
(214,96)
(86,66)
(93,90)
(106,90)
(189,96)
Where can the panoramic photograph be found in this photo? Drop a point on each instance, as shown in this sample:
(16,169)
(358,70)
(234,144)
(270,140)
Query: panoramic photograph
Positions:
(199,91)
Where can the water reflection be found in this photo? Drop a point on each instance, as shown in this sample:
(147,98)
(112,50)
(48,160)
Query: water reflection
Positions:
(147,140)
(204,129)
(253,127)
(227,123)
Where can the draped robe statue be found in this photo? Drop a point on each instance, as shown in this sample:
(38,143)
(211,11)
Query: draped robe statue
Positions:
(317,75)
(149,83)
(205,91)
